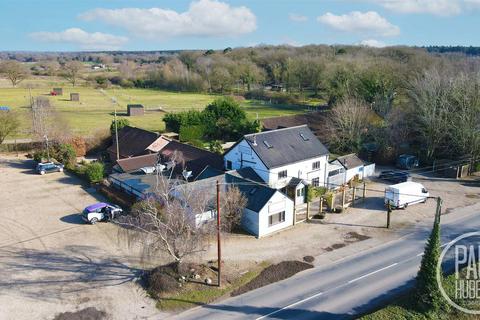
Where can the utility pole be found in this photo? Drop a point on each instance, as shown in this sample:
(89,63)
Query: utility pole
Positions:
(48,149)
(219,249)
(438,212)
(389,211)
(116,127)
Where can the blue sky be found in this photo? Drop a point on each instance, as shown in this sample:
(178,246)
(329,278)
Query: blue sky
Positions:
(75,25)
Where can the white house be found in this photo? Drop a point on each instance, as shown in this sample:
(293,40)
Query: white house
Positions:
(349,167)
(279,155)
(267,210)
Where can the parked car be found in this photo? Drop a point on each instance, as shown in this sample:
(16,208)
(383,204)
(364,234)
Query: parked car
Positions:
(404,194)
(48,167)
(100,212)
(407,162)
(395,176)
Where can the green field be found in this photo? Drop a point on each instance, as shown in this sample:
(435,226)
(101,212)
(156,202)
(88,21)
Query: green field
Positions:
(95,109)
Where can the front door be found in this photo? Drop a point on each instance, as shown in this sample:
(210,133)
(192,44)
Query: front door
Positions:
(300,194)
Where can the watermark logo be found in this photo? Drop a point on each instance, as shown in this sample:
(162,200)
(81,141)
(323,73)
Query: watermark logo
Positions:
(464,292)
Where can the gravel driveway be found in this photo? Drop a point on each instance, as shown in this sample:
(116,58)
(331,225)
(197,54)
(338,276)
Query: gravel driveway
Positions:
(50,261)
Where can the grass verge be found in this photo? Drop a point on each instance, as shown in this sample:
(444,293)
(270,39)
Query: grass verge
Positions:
(404,307)
(206,294)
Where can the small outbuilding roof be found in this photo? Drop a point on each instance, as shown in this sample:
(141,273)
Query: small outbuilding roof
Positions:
(195,159)
(136,163)
(349,161)
(133,141)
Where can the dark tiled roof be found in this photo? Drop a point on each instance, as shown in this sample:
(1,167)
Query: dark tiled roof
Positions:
(315,120)
(246,173)
(209,172)
(257,195)
(284,122)
(135,163)
(295,182)
(350,161)
(285,146)
(195,159)
(133,141)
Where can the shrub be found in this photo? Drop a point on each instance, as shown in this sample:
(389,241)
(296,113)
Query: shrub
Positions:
(66,154)
(191,133)
(215,146)
(476,167)
(95,171)
(122,122)
(79,145)
(42,155)
(315,192)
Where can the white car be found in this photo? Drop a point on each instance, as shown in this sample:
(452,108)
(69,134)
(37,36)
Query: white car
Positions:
(100,212)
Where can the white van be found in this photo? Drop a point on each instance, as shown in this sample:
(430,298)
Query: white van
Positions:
(404,194)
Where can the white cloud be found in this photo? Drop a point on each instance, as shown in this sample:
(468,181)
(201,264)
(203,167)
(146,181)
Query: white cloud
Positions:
(360,22)
(297,17)
(435,7)
(372,43)
(82,39)
(203,18)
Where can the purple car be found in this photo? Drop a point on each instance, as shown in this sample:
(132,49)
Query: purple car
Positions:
(100,212)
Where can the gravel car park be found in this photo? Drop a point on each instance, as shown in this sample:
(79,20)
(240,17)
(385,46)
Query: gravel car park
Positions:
(52,261)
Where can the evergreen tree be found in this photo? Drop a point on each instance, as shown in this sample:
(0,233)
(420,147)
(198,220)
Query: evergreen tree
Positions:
(428,296)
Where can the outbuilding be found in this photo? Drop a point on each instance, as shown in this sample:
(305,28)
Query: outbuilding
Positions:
(135,110)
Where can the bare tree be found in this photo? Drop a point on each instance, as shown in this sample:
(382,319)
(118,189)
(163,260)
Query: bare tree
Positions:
(9,123)
(233,202)
(430,96)
(14,71)
(50,67)
(348,124)
(167,220)
(128,69)
(47,122)
(72,71)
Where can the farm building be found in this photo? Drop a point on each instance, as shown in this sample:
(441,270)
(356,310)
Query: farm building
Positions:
(135,142)
(135,110)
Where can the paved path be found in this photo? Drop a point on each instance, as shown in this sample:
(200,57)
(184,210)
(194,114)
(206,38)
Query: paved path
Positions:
(343,289)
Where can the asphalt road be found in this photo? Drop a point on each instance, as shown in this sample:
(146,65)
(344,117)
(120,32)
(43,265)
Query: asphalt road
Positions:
(344,289)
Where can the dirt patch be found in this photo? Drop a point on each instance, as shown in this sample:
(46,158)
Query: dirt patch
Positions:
(350,237)
(308,259)
(164,280)
(90,313)
(354,237)
(473,195)
(335,246)
(273,273)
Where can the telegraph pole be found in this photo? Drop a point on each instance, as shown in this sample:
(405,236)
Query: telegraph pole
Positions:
(389,212)
(438,212)
(219,249)
(116,127)
(48,149)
